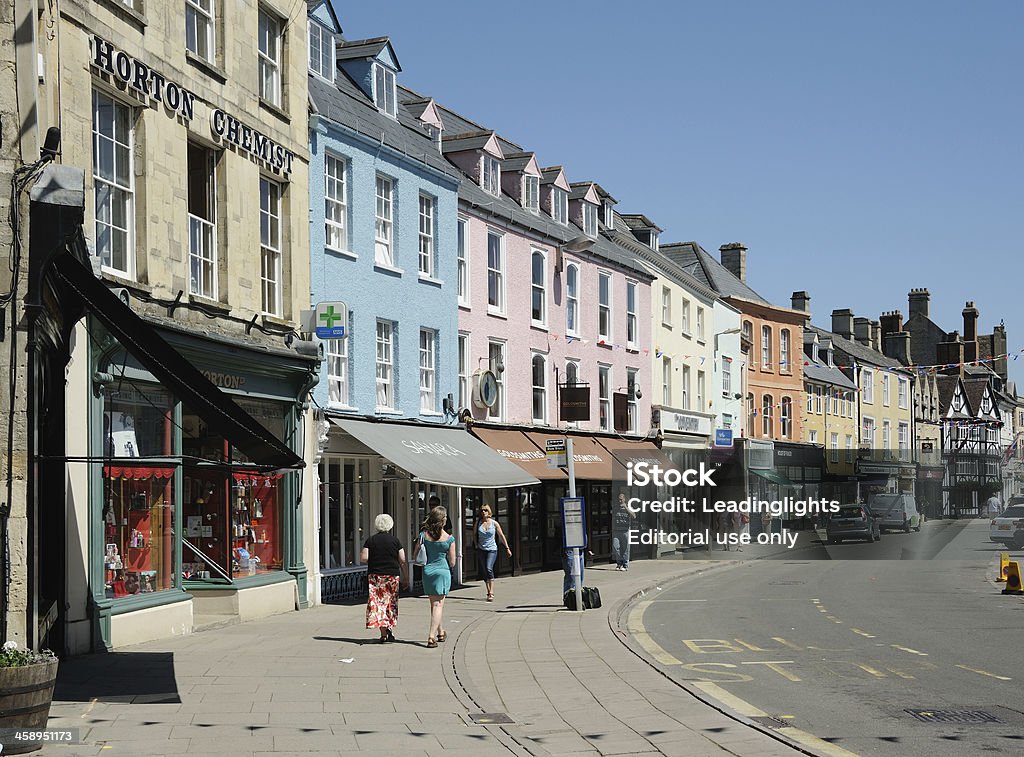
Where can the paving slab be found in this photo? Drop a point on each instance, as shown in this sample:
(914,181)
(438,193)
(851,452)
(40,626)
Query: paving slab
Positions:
(280,686)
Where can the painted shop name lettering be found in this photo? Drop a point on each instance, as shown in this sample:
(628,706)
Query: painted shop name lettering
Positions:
(432,448)
(226,380)
(142,78)
(230,129)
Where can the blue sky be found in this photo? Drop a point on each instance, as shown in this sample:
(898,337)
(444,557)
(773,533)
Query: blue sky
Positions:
(857,149)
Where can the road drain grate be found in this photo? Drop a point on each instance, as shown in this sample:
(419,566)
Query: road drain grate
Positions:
(490,718)
(954,716)
(769,721)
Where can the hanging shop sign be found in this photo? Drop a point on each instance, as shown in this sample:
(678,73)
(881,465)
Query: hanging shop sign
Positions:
(574,402)
(143,79)
(227,128)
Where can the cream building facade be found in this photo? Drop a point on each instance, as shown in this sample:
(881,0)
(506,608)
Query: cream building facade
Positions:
(189,125)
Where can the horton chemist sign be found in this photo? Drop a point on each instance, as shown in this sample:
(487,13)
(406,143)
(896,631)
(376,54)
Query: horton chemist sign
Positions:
(331,320)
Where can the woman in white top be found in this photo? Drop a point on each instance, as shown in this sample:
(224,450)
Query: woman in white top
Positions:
(485,531)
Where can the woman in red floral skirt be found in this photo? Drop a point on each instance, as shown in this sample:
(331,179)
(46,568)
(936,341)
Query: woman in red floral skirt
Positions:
(386,568)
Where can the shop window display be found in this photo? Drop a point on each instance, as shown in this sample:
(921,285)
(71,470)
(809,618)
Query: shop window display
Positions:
(138,495)
(232,516)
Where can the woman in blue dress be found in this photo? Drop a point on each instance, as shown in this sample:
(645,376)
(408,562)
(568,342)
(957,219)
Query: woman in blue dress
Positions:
(437,573)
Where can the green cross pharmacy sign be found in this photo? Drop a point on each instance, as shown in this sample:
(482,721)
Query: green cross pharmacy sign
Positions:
(331,320)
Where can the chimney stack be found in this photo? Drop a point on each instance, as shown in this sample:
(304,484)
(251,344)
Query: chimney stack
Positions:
(897,346)
(999,364)
(918,302)
(862,330)
(801,301)
(842,323)
(734,258)
(891,322)
(876,336)
(951,352)
(970,314)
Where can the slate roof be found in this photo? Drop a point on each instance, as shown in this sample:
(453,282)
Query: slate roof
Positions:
(550,174)
(578,189)
(695,260)
(416,105)
(975,388)
(604,194)
(639,222)
(655,262)
(472,140)
(859,352)
(516,161)
(344,103)
(816,370)
(947,387)
(361,48)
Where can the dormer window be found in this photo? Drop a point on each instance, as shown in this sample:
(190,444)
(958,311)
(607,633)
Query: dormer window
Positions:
(434,133)
(490,178)
(609,215)
(560,206)
(384,90)
(321,51)
(531,193)
(589,219)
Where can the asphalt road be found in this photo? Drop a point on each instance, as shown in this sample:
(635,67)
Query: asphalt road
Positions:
(842,648)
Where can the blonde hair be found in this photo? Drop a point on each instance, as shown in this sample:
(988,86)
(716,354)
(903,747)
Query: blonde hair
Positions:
(383,523)
(434,524)
(486,509)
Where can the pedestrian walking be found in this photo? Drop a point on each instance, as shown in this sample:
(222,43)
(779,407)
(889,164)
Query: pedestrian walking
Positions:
(994,505)
(740,526)
(386,571)
(486,531)
(622,524)
(437,574)
(567,579)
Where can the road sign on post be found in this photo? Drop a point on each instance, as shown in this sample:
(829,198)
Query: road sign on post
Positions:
(556,456)
(574,523)
(331,320)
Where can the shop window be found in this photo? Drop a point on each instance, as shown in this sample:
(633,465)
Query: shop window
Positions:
(138,497)
(232,518)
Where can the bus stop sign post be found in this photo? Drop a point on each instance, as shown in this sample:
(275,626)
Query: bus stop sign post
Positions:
(577,547)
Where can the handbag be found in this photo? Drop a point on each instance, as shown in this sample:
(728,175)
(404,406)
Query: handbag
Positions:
(421,554)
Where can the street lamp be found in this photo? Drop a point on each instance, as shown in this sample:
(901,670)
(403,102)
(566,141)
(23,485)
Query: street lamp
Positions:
(582,243)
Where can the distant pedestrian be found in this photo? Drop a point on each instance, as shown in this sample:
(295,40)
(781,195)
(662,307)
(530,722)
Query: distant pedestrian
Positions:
(741,527)
(486,532)
(437,573)
(994,505)
(622,524)
(386,570)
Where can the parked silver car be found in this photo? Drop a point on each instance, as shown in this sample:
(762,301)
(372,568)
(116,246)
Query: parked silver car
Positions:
(852,522)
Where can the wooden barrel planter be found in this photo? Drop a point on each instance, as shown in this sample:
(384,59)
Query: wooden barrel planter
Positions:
(25,696)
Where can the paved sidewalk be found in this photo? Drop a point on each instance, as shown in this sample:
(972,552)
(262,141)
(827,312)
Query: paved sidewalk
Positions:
(317,682)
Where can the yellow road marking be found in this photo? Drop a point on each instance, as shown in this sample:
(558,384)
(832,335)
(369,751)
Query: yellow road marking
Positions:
(985,673)
(734,703)
(789,644)
(746,709)
(809,739)
(865,634)
(833,618)
(871,670)
(908,649)
(636,628)
(901,674)
(774,665)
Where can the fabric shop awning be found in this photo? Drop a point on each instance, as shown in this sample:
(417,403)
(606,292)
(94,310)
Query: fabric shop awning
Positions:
(516,447)
(770,475)
(437,454)
(591,461)
(179,376)
(624,452)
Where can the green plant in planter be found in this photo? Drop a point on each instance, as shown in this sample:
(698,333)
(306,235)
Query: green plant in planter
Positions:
(12,657)
(27,679)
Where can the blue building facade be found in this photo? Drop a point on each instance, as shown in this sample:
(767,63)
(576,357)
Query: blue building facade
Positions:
(384,209)
(384,240)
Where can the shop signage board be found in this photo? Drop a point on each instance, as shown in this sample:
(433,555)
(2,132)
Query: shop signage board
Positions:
(723,437)
(330,320)
(574,523)
(556,455)
(574,402)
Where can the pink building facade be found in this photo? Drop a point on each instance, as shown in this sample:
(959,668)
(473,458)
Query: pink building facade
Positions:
(566,340)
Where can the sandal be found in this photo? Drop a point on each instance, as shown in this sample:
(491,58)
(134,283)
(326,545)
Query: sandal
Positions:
(490,597)
(441,636)
(431,642)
